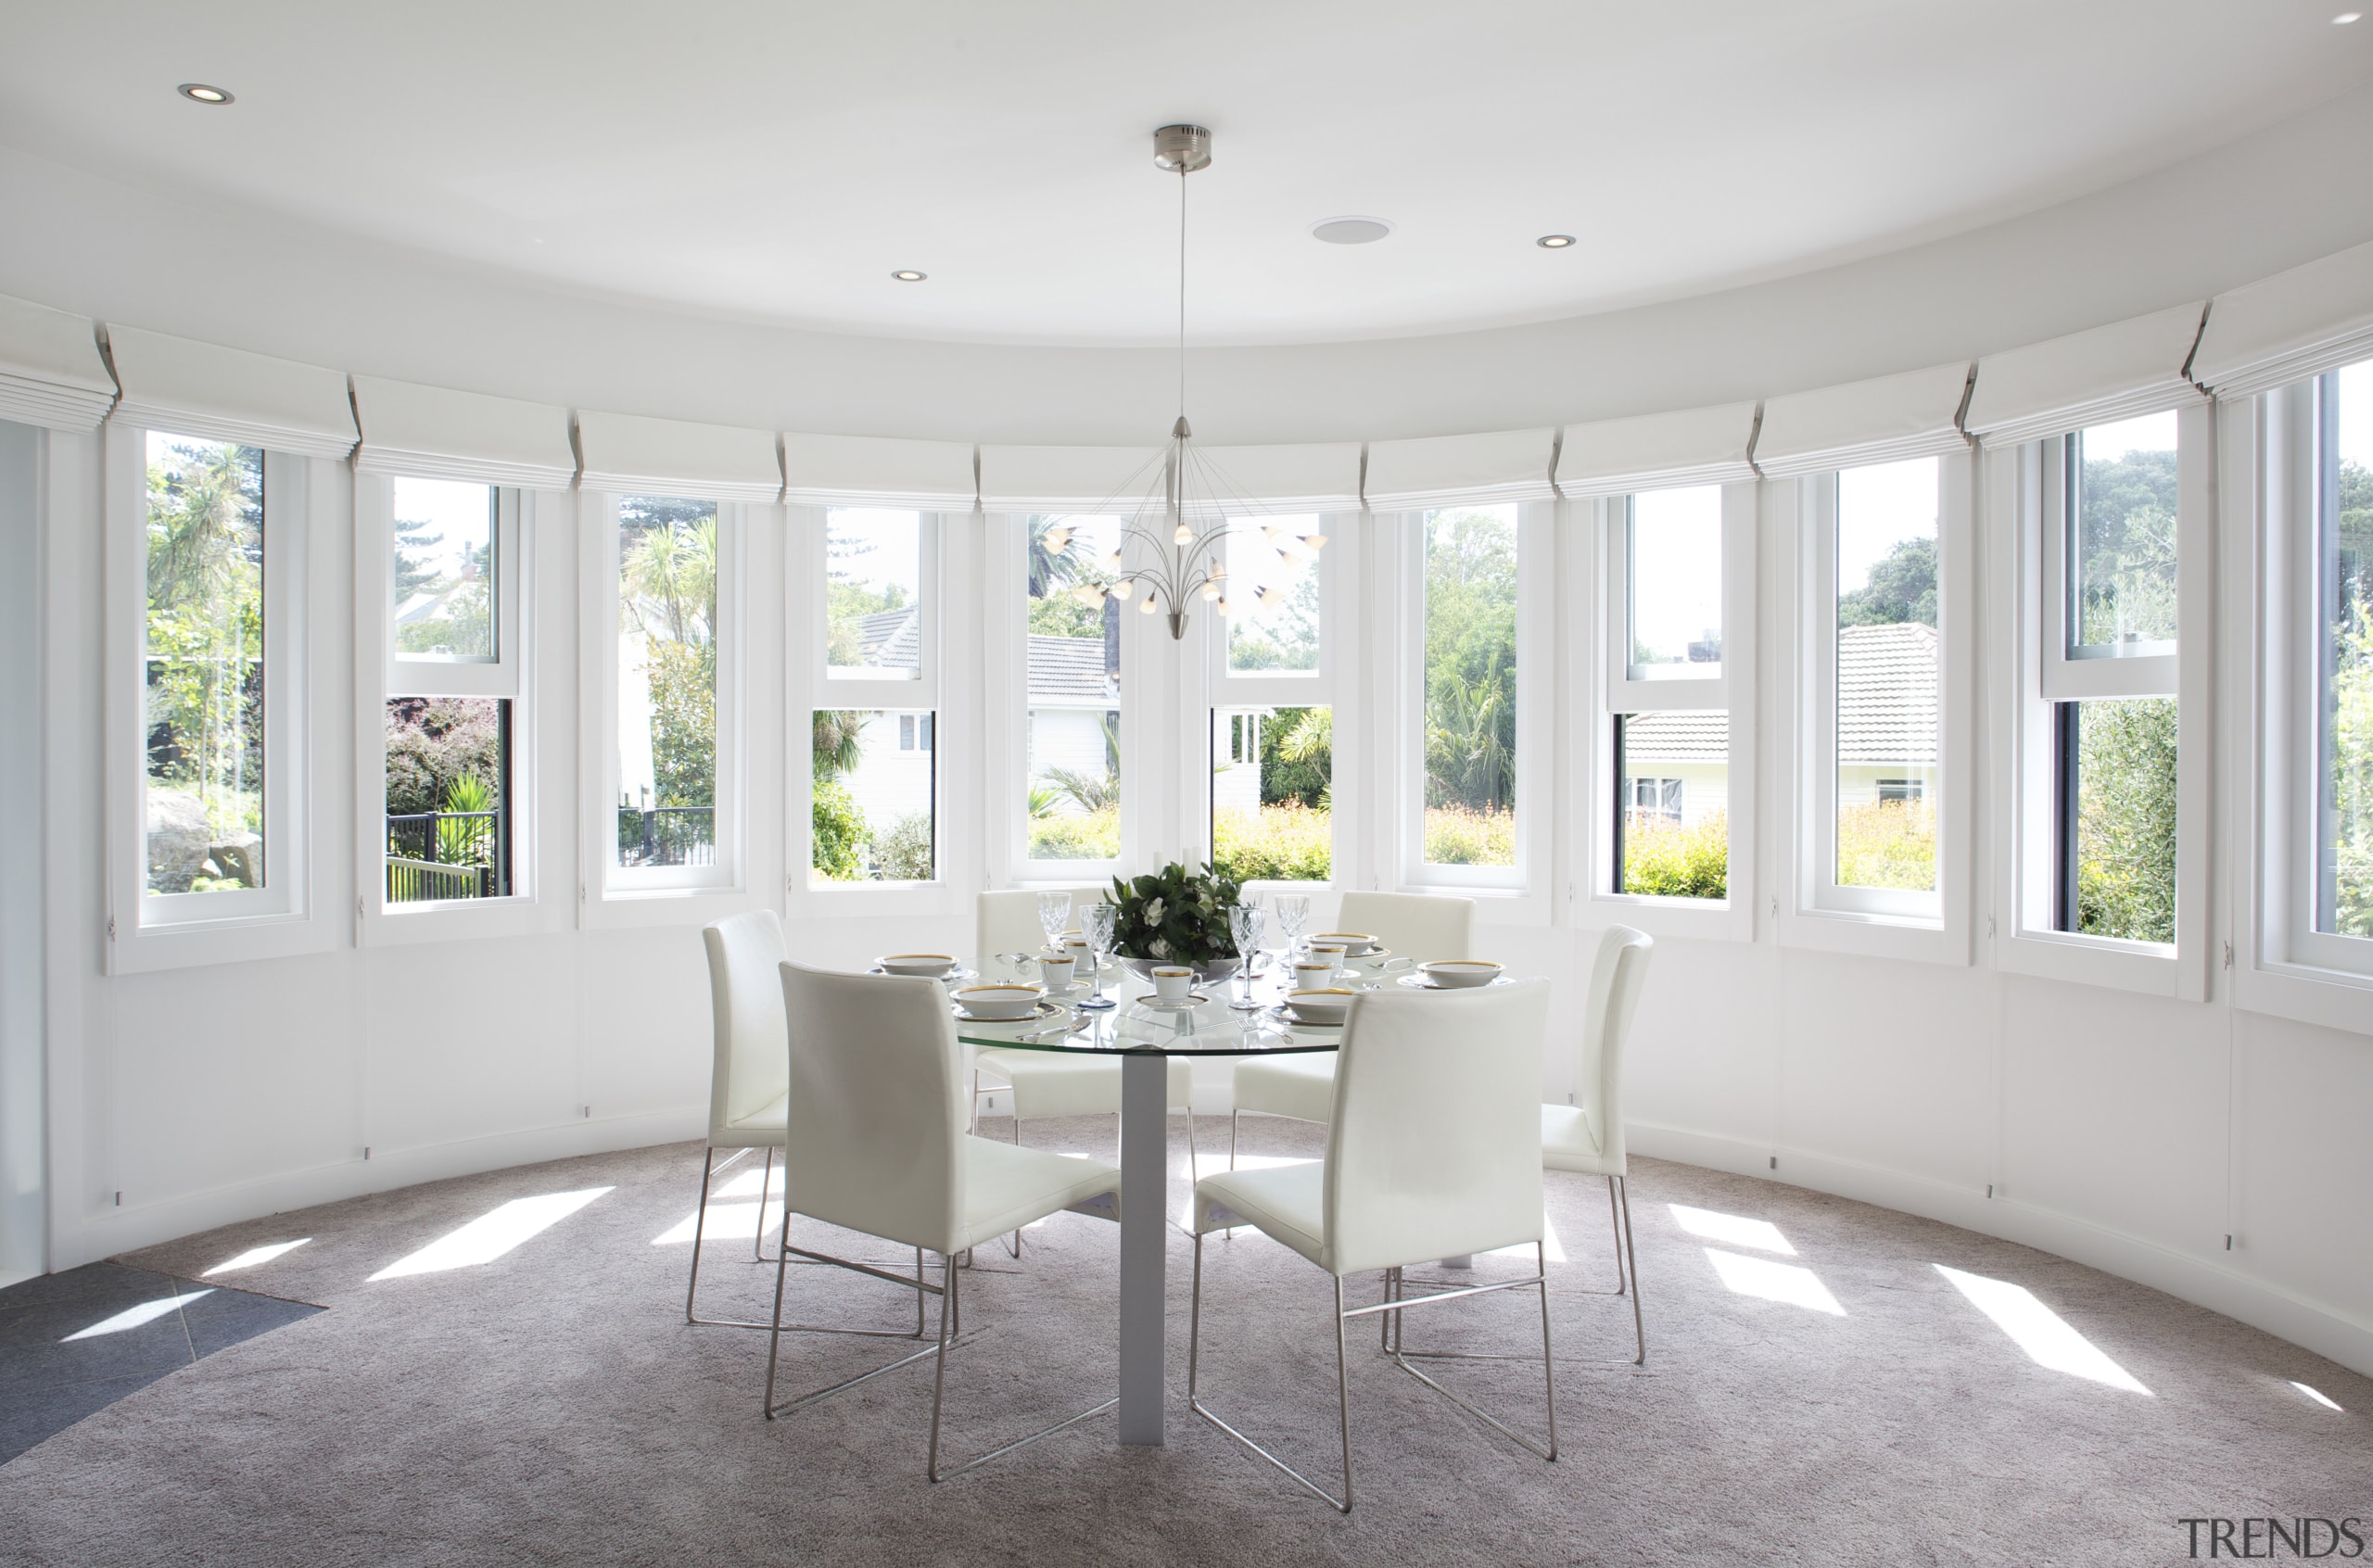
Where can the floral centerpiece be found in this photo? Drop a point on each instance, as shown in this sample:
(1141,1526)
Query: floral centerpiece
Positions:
(1174,917)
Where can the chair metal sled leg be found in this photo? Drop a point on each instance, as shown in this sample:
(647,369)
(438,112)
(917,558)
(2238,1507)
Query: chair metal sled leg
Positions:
(1342,1392)
(788,1252)
(1631,1259)
(1395,1303)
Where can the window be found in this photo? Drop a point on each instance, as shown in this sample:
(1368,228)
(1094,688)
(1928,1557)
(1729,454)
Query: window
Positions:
(444,563)
(1073,655)
(448,799)
(1673,583)
(1272,590)
(451,652)
(2342,587)
(1877,689)
(873,803)
(1668,573)
(2110,672)
(206,702)
(1273,783)
(1469,734)
(664,756)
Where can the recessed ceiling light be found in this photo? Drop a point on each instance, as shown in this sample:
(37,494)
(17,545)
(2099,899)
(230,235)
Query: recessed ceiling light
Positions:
(1554,242)
(1351,231)
(200,92)
(907,275)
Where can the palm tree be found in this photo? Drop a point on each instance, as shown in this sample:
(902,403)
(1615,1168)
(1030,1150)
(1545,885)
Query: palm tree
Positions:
(1052,569)
(838,742)
(671,572)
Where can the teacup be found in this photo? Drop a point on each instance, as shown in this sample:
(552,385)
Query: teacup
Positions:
(1354,942)
(1330,953)
(1000,1001)
(1173,984)
(1055,970)
(1314,973)
(1459,973)
(916,962)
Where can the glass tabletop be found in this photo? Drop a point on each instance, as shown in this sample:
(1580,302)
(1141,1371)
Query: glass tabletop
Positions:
(1140,1026)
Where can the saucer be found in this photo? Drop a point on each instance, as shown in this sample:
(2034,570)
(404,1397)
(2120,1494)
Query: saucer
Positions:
(1192,999)
(951,978)
(1285,1015)
(1044,1010)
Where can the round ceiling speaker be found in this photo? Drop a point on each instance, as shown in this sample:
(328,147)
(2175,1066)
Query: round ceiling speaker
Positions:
(1351,231)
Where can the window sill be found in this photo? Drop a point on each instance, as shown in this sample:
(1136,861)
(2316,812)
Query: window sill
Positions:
(231,939)
(633,908)
(816,900)
(1707,920)
(2334,998)
(1876,936)
(2148,967)
(409,924)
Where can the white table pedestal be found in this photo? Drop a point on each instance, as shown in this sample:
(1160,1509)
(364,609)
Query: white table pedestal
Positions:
(1145,1219)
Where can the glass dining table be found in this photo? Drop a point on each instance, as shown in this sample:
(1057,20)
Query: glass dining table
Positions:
(1144,1034)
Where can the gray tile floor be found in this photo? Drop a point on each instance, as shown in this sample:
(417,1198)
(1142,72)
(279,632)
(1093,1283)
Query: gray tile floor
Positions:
(75,1343)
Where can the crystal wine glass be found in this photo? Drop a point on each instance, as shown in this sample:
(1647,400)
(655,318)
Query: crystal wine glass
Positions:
(1244,923)
(1096,925)
(1293,914)
(1054,908)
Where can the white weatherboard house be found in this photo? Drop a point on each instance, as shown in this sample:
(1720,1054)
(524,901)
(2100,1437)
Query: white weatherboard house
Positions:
(1074,697)
(1677,762)
(894,768)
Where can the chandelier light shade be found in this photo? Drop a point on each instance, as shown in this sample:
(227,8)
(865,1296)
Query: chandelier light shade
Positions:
(1179,511)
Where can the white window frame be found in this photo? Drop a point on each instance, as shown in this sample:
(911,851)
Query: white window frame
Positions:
(609,893)
(1224,689)
(1605,687)
(1880,922)
(381,675)
(1505,895)
(1147,710)
(161,932)
(2283,965)
(809,687)
(2027,502)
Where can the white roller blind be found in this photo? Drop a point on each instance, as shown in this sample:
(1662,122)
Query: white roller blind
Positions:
(876,471)
(1504,465)
(1888,419)
(221,393)
(633,455)
(1068,478)
(2120,370)
(1615,456)
(441,434)
(1324,478)
(50,371)
(2293,324)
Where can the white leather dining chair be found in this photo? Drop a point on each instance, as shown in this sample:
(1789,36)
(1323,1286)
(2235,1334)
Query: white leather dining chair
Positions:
(1420,1164)
(877,1144)
(1419,926)
(749,1076)
(1048,1083)
(1587,1136)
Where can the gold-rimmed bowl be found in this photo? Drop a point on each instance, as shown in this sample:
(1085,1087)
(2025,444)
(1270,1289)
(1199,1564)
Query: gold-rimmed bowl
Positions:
(1000,1001)
(1458,974)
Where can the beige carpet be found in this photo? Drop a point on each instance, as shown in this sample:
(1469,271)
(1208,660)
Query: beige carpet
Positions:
(551,1405)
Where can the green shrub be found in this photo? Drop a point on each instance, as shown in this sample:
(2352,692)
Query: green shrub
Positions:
(1287,843)
(1670,860)
(1457,835)
(838,831)
(2126,819)
(1887,844)
(902,852)
(1076,836)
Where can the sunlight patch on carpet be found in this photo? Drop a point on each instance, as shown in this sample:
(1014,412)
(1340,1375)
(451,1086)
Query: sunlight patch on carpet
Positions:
(1732,1230)
(2040,1332)
(1774,1281)
(254,1256)
(491,1235)
(134,1317)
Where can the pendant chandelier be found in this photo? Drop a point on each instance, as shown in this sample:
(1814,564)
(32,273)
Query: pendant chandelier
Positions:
(1175,524)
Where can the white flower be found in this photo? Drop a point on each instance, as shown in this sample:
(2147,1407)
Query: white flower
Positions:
(1153,916)
(1161,947)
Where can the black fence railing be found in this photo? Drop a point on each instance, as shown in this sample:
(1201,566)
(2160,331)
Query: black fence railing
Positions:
(446,854)
(666,836)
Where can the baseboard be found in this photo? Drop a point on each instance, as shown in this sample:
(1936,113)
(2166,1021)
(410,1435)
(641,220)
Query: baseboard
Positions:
(2326,1330)
(112,1231)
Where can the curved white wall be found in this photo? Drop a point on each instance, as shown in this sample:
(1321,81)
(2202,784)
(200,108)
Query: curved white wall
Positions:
(2295,191)
(2129,1131)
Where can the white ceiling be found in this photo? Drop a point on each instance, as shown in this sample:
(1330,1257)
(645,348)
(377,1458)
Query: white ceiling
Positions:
(776,160)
